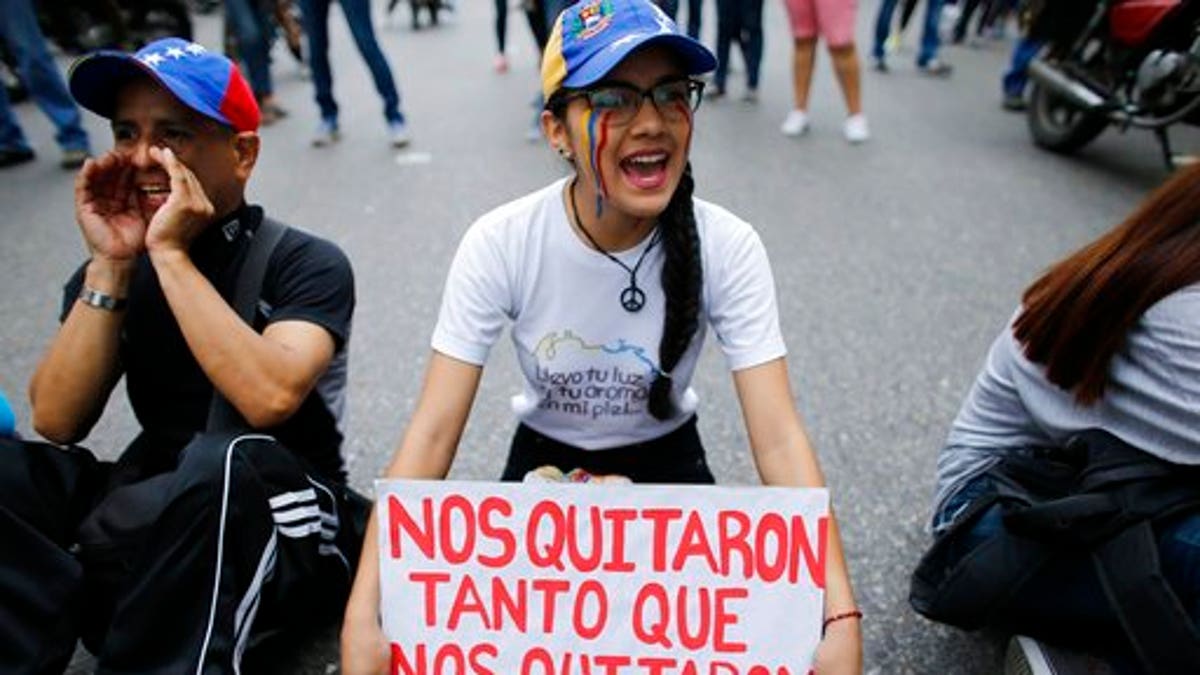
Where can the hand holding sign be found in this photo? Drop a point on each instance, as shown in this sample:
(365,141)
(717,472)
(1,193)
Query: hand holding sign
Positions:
(365,649)
(840,651)
(552,474)
(500,579)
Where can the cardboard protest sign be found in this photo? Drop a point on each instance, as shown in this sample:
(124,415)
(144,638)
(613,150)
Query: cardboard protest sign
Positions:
(519,579)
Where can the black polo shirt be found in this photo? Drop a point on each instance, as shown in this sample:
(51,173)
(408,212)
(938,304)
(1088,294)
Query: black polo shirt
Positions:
(307,279)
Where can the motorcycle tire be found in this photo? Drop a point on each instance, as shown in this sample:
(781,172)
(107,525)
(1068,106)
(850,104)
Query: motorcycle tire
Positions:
(1059,126)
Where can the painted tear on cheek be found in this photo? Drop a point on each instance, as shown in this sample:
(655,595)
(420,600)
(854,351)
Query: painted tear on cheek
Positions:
(587,127)
(601,186)
(590,140)
(584,126)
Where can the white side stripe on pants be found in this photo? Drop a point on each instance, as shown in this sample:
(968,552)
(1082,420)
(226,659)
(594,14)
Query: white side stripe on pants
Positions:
(212,612)
(296,513)
(329,532)
(299,514)
(288,498)
(243,619)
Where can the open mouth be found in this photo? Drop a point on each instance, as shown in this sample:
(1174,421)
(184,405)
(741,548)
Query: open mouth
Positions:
(646,170)
(153,196)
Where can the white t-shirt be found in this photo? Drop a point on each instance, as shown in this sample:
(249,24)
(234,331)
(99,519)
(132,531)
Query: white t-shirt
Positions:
(587,362)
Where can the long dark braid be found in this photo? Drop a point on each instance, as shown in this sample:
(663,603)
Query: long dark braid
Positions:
(682,277)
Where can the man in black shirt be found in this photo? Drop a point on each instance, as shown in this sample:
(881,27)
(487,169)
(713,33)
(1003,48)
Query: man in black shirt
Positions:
(202,534)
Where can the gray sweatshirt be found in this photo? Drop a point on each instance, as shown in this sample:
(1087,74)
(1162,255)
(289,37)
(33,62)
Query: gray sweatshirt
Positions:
(1151,401)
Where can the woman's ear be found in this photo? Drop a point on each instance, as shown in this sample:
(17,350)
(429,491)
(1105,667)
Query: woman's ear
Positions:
(556,135)
(246,145)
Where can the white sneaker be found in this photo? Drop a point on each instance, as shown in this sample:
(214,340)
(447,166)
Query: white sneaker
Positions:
(855,128)
(1027,656)
(326,134)
(795,123)
(398,134)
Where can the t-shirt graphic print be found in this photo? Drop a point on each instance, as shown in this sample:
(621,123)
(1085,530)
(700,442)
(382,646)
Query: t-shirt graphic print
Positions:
(592,381)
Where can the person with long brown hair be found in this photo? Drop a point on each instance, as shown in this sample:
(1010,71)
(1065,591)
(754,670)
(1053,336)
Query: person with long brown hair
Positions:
(1108,341)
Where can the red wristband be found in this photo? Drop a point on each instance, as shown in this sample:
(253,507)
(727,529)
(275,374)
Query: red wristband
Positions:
(853,614)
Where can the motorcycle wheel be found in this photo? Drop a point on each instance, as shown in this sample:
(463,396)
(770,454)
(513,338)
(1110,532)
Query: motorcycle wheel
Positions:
(1059,126)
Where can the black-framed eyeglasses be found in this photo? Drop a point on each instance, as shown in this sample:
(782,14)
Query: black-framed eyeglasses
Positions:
(675,99)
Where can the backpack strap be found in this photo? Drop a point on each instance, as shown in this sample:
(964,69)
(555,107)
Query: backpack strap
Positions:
(1155,622)
(222,416)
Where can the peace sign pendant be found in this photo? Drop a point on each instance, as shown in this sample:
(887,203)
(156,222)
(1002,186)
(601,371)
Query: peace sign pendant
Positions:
(633,299)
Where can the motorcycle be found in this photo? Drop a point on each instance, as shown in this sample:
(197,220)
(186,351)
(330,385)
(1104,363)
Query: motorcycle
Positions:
(1122,63)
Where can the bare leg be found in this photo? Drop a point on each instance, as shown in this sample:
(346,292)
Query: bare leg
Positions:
(845,66)
(804,57)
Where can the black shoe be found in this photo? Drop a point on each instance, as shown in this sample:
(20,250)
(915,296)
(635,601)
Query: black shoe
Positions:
(14,157)
(881,66)
(1013,102)
(935,68)
(74,158)
(271,113)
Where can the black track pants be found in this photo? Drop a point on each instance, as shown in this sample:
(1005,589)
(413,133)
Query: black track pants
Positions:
(174,573)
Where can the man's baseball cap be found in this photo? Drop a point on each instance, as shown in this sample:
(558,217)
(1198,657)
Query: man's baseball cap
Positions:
(591,37)
(204,81)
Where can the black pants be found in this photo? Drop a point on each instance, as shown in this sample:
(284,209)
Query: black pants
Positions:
(739,21)
(173,572)
(695,8)
(677,457)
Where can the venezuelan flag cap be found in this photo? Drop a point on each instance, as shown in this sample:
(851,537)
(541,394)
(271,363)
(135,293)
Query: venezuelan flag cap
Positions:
(591,37)
(202,80)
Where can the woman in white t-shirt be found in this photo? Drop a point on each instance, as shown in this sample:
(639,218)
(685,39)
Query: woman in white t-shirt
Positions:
(609,280)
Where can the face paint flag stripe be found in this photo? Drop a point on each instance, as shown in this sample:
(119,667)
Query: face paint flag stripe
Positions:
(585,123)
(594,158)
(603,188)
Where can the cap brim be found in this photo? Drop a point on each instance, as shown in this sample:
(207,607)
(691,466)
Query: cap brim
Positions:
(697,59)
(95,80)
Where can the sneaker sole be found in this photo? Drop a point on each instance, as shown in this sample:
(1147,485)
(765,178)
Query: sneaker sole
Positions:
(71,161)
(16,161)
(935,72)
(325,141)
(1023,657)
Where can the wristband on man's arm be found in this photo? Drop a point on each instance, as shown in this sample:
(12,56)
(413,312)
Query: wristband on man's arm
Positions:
(94,298)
